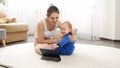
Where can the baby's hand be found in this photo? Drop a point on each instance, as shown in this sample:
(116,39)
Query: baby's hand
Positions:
(55,46)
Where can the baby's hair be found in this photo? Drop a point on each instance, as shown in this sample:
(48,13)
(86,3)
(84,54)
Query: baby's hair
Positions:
(52,8)
(69,25)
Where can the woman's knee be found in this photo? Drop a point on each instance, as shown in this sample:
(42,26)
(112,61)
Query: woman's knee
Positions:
(42,46)
(37,50)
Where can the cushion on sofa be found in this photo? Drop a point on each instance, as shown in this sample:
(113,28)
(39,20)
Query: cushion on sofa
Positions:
(3,20)
(11,20)
(2,14)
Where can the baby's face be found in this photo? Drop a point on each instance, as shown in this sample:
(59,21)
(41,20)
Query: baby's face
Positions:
(65,29)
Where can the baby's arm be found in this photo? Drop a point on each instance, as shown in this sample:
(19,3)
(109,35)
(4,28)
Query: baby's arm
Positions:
(63,41)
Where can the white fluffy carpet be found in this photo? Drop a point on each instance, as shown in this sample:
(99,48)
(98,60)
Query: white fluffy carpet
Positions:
(84,56)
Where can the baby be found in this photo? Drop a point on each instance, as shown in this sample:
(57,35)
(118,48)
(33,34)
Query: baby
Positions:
(65,46)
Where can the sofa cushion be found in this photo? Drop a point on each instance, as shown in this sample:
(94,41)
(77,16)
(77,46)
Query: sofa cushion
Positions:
(2,14)
(14,27)
(11,20)
(3,20)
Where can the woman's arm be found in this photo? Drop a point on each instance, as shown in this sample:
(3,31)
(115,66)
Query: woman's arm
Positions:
(74,36)
(40,35)
(63,41)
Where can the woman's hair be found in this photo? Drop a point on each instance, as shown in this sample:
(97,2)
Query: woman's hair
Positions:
(52,9)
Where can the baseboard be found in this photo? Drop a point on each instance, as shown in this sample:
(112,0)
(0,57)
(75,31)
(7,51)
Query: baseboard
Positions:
(110,39)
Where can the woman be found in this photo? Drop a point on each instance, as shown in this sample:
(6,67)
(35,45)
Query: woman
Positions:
(46,29)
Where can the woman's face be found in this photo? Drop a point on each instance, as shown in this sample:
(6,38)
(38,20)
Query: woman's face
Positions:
(53,18)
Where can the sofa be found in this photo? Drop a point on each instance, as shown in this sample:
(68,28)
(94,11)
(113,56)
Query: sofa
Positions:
(15,31)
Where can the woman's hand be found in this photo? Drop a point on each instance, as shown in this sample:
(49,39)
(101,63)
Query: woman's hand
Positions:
(72,38)
(55,40)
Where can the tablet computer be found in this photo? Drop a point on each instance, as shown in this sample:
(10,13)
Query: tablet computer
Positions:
(50,55)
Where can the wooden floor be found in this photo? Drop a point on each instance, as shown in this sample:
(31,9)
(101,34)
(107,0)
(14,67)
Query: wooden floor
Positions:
(101,42)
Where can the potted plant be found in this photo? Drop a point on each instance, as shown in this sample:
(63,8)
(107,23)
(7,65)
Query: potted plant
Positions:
(3,2)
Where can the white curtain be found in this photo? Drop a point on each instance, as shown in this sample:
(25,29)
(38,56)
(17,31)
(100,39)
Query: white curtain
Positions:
(81,13)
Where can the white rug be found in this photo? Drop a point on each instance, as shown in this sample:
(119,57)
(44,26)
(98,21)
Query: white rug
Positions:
(85,56)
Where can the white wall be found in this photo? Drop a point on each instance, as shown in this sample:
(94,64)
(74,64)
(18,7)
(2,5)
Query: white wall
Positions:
(117,29)
(80,13)
(109,18)
(91,17)
(106,18)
